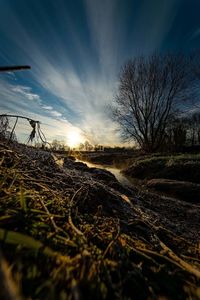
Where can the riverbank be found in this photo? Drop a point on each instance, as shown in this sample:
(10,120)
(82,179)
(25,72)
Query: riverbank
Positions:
(73,232)
(174,175)
(159,202)
(116,159)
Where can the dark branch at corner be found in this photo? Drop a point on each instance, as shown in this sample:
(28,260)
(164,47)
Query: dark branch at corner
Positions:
(14,68)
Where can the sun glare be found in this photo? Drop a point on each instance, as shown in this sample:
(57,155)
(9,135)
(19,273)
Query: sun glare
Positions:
(73,139)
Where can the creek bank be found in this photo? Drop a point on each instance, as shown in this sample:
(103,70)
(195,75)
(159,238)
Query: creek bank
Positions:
(145,174)
(163,208)
(184,190)
(110,176)
(103,158)
(67,233)
(177,176)
(180,167)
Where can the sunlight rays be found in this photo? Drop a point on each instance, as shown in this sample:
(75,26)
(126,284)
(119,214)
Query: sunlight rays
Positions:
(74,138)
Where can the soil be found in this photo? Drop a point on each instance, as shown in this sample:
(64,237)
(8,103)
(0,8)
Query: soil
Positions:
(72,232)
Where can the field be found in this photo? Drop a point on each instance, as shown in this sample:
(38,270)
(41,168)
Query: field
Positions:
(76,233)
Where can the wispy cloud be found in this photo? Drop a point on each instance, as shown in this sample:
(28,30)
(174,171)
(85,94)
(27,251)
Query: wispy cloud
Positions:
(106,33)
(55,113)
(73,78)
(47,107)
(26,92)
(15,99)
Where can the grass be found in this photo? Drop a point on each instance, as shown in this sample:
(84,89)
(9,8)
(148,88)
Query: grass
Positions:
(166,158)
(61,240)
(184,167)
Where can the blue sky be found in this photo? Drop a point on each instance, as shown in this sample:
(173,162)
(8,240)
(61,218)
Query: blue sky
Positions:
(76,49)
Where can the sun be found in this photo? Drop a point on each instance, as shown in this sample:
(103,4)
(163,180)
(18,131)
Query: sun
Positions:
(73,138)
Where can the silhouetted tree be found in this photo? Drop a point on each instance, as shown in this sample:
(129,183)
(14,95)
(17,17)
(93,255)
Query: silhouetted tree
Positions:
(179,135)
(151,91)
(81,147)
(88,146)
(193,128)
(58,145)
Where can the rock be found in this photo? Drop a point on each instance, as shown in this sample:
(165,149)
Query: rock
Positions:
(183,190)
(80,166)
(67,161)
(71,157)
(103,175)
(71,164)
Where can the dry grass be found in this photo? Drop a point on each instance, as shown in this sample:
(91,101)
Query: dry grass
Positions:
(66,236)
(185,167)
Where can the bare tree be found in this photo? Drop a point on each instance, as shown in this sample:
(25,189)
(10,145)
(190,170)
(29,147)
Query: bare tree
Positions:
(151,91)
(193,128)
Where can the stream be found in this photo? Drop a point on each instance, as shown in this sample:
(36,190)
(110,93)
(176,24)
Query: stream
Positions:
(115,171)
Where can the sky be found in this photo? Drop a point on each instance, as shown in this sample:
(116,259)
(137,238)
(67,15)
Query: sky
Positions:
(75,49)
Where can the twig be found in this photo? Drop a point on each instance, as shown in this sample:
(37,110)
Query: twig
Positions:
(69,213)
(181,262)
(49,215)
(111,243)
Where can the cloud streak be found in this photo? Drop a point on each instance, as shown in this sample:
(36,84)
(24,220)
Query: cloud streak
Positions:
(20,100)
(75,51)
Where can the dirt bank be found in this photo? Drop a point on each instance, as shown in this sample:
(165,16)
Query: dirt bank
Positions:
(180,167)
(177,176)
(75,233)
(103,158)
